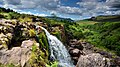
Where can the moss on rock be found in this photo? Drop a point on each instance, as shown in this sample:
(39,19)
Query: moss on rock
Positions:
(42,39)
(38,58)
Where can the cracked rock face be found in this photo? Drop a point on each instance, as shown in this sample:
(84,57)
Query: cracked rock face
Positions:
(17,55)
(92,60)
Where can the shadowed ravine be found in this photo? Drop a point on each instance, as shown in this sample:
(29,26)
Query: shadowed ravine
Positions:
(58,51)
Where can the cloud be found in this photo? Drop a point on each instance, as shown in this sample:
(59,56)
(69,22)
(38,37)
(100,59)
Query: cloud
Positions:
(113,3)
(42,5)
(96,7)
(41,15)
(69,10)
(31,4)
(13,2)
(86,7)
(31,13)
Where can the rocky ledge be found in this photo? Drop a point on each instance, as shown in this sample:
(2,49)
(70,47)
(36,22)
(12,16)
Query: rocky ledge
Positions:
(87,55)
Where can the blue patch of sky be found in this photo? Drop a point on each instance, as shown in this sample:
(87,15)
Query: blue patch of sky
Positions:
(1,3)
(101,0)
(71,3)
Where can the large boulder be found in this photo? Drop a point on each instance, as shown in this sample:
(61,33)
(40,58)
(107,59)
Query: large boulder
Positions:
(17,55)
(92,60)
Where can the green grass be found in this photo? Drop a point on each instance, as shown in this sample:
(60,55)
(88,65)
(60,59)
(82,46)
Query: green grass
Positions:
(105,35)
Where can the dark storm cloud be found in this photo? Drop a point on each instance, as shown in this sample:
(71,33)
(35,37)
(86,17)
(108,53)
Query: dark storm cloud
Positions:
(113,3)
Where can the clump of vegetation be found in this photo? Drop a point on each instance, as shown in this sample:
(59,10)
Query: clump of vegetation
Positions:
(38,57)
(57,34)
(74,31)
(53,64)
(32,33)
(42,39)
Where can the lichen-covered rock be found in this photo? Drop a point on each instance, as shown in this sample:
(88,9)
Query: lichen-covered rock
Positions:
(4,40)
(6,33)
(92,60)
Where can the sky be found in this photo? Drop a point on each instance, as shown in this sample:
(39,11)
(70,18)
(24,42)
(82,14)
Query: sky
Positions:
(74,9)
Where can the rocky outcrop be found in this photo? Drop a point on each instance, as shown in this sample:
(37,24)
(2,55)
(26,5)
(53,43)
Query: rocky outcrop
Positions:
(88,48)
(93,60)
(84,54)
(22,44)
(75,49)
(6,33)
(76,44)
(17,55)
(88,53)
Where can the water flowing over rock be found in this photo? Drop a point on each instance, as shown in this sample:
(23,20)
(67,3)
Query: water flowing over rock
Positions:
(58,51)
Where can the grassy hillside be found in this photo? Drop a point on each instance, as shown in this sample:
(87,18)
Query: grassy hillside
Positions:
(107,18)
(105,35)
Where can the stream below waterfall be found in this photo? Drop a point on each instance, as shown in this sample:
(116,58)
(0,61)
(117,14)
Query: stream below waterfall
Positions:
(58,51)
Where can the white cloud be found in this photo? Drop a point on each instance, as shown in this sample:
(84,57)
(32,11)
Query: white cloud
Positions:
(95,7)
(86,7)
(69,10)
(53,12)
(43,15)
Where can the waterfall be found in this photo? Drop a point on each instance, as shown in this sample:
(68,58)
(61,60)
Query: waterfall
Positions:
(58,51)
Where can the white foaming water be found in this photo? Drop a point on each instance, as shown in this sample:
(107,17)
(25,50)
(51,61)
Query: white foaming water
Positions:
(58,51)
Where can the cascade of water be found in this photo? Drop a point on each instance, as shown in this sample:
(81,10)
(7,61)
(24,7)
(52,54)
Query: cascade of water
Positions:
(58,51)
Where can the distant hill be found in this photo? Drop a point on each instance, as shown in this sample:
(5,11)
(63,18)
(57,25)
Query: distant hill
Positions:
(60,18)
(107,18)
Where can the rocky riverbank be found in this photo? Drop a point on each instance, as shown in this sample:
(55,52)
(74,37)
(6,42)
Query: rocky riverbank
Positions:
(86,55)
